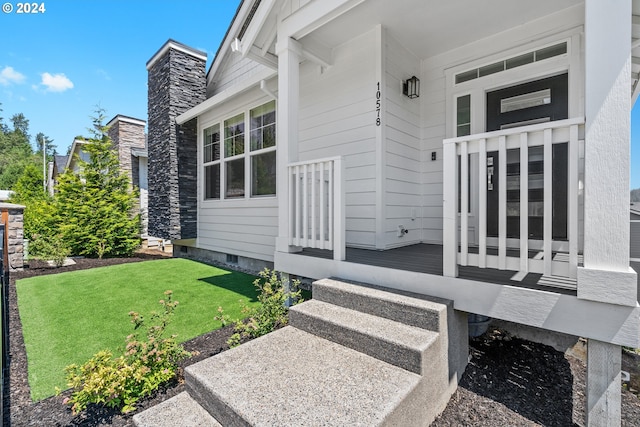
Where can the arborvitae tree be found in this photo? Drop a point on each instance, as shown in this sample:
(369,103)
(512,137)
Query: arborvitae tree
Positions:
(94,206)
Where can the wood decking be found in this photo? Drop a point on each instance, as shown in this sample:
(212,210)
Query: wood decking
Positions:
(427,259)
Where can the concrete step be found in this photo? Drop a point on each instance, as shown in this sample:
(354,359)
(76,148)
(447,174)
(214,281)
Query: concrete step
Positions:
(396,343)
(404,307)
(293,378)
(179,411)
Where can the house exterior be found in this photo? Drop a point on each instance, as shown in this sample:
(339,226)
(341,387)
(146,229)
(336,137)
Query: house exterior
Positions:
(129,140)
(394,143)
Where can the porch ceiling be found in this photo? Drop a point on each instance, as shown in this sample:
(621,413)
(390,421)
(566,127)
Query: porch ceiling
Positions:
(428,28)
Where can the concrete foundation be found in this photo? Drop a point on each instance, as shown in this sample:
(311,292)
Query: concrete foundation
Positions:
(604,362)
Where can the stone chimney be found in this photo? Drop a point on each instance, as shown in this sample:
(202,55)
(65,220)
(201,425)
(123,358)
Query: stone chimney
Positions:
(176,83)
(127,134)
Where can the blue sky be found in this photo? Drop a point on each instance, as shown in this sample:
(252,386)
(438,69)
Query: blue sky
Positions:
(56,66)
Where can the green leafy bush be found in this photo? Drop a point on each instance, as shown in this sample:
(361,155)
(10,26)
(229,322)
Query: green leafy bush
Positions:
(51,247)
(272,311)
(146,363)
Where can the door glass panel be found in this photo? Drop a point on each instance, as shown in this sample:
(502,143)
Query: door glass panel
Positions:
(463,115)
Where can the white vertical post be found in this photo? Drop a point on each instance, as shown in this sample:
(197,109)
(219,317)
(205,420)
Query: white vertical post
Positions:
(330,211)
(572,211)
(607,134)
(524,203)
(305,205)
(299,201)
(464,203)
(548,200)
(502,203)
(288,51)
(482,204)
(322,206)
(450,210)
(339,249)
(313,205)
(292,176)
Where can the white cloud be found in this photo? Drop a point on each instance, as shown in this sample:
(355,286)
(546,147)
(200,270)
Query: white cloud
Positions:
(10,76)
(56,82)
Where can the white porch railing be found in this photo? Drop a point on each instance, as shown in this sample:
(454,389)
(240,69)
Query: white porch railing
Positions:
(457,223)
(316,205)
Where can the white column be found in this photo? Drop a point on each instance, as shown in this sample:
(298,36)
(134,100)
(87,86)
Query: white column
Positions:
(604,362)
(606,275)
(607,134)
(288,51)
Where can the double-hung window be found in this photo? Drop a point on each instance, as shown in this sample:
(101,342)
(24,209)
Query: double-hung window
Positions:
(225,166)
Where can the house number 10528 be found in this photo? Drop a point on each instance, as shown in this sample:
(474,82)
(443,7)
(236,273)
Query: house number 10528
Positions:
(378,104)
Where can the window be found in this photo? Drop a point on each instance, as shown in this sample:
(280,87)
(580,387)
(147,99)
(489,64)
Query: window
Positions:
(263,155)
(224,167)
(211,158)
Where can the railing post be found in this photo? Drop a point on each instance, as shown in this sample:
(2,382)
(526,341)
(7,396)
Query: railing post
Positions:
(339,248)
(548,197)
(524,203)
(450,211)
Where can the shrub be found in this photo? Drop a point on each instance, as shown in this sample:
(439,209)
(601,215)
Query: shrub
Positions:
(49,248)
(270,314)
(146,363)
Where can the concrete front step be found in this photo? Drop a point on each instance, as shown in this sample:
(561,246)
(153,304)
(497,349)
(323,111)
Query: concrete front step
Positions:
(293,378)
(404,307)
(179,411)
(393,342)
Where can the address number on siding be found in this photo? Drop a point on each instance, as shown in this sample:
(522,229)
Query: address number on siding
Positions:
(378,104)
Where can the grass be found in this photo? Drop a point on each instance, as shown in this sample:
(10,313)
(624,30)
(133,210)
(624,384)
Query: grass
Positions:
(68,317)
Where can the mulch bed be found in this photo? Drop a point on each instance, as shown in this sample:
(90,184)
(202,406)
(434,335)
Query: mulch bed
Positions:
(508,381)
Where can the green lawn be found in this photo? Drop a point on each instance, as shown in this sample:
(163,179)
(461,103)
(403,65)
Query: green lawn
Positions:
(68,317)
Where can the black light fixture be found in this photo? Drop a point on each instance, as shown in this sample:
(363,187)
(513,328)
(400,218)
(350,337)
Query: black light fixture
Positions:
(411,87)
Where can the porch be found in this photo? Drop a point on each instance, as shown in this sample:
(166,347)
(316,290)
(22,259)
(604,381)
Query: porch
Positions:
(427,259)
(536,166)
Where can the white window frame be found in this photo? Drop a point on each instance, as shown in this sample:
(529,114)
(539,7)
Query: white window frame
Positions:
(569,63)
(247,155)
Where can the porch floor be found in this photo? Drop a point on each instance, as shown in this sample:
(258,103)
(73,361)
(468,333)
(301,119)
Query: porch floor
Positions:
(427,259)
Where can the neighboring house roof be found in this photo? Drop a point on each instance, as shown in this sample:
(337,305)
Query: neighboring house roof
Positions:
(635,210)
(75,149)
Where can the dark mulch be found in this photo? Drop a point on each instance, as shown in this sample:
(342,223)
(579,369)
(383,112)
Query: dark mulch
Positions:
(508,381)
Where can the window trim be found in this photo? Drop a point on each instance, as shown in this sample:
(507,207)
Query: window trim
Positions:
(569,62)
(247,155)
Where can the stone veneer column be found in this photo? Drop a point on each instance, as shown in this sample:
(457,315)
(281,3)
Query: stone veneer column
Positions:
(127,133)
(177,82)
(12,216)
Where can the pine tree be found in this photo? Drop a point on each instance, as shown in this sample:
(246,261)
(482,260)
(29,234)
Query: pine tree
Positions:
(95,205)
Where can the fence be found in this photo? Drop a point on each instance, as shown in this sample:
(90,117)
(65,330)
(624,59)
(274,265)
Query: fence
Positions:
(4,313)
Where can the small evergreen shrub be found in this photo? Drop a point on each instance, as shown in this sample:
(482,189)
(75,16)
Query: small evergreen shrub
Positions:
(147,362)
(49,248)
(270,314)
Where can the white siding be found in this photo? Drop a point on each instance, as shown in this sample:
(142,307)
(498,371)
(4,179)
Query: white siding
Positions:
(233,69)
(337,118)
(402,148)
(434,102)
(245,227)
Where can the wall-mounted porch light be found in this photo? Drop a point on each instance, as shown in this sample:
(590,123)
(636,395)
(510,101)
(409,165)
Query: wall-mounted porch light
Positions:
(411,87)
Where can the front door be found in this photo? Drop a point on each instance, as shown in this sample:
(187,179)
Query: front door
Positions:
(525,104)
